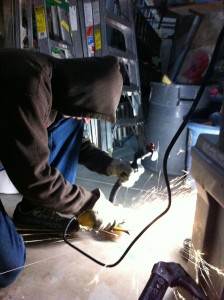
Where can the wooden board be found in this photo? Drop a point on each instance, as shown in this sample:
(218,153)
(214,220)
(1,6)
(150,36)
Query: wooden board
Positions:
(203,8)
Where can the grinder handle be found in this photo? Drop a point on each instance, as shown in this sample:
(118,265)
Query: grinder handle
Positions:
(155,288)
(116,188)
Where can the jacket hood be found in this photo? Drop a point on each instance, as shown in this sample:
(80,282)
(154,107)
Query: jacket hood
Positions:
(87,87)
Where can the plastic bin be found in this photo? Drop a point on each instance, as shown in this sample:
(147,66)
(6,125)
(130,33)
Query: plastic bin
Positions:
(168,105)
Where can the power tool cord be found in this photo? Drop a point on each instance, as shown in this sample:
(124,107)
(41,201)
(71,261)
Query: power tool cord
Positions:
(166,156)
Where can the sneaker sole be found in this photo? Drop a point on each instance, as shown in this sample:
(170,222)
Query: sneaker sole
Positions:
(25,228)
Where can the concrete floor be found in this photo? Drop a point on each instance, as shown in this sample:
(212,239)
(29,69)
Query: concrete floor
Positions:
(56,271)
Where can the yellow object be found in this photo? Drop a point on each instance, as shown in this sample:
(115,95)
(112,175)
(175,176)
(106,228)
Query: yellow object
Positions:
(65,25)
(166,80)
(85,219)
(118,228)
(40,21)
(97,38)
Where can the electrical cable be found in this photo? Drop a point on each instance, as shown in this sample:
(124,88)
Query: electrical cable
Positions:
(165,159)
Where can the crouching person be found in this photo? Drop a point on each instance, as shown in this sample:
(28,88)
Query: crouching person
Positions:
(44,104)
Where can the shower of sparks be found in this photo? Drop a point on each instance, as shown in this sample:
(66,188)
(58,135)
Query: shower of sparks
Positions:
(203,269)
(159,195)
(140,211)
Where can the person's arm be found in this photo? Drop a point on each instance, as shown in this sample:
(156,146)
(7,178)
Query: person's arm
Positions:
(94,158)
(24,147)
(101,162)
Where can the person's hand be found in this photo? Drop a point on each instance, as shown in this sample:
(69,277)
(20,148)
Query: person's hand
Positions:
(103,216)
(123,170)
(134,177)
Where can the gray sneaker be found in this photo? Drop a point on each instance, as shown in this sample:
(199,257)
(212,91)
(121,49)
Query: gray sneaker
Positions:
(42,219)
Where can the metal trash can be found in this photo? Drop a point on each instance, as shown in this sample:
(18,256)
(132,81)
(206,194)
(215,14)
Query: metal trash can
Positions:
(169,104)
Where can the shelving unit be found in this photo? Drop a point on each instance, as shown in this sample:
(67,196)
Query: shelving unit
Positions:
(75,29)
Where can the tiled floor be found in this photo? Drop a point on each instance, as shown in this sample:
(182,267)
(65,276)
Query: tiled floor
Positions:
(56,271)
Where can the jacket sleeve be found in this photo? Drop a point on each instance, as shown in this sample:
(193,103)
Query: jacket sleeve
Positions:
(24,147)
(90,156)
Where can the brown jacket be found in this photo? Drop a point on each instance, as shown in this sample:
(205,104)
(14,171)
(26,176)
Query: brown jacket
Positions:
(33,88)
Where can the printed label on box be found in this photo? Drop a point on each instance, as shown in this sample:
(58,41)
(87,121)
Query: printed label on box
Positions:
(88,13)
(41,23)
(90,43)
(73,18)
(97,37)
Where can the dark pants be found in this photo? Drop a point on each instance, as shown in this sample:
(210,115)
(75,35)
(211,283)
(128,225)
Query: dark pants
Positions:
(12,250)
(65,137)
(64,140)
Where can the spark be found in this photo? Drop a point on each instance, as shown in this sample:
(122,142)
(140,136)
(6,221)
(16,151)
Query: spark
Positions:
(180,151)
(178,295)
(203,268)
(95,280)
(33,263)
(208,266)
(134,286)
